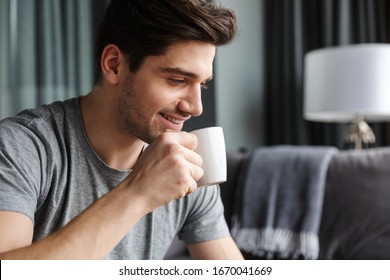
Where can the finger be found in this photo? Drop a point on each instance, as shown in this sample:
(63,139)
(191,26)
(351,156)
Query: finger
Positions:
(187,139)
(187,143)
(196,172)
(190,141)
(193,158)
(174,149)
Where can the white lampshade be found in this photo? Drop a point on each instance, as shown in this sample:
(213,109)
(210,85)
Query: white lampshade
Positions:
(341,82)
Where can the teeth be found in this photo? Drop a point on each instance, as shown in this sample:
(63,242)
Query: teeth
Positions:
(169,118)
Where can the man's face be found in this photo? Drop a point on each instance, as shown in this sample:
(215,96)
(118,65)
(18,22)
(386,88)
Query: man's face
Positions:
(165,91)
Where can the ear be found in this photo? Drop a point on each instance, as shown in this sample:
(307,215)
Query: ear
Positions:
(110,61)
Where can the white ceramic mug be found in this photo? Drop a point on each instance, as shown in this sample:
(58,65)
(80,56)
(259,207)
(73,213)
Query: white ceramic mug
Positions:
(211,147)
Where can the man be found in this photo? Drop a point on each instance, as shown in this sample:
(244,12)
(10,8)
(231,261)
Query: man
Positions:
(111,174)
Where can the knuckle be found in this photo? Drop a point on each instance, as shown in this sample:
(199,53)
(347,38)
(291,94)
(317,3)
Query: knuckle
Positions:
(176,162)
(174,149)
(165,137)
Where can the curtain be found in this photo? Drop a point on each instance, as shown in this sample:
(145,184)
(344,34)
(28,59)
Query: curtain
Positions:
(295,27)
(46,51)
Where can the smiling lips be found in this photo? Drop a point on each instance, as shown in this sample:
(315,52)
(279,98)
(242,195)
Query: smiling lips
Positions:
(172,119)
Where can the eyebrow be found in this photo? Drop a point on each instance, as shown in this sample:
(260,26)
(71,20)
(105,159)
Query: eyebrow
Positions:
(180,71)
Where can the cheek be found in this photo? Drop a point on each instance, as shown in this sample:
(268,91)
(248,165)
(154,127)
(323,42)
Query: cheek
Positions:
(157,97)
(154,93)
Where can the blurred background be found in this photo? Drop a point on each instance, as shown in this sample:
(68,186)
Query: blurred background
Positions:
(47,46)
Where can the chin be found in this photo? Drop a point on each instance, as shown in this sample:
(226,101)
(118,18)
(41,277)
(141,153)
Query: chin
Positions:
(151,136)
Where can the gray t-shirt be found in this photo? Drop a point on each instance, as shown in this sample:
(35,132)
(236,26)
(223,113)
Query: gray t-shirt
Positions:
(49,172)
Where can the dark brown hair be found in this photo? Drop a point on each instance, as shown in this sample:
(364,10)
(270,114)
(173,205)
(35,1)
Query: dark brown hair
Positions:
(142,28)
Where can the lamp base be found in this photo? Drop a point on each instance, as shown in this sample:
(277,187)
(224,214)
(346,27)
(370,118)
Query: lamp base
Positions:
(359,134)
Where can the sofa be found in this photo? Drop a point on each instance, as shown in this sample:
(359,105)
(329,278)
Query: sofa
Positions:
(354,220)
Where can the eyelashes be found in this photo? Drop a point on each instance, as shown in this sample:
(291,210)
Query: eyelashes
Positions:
(183,82)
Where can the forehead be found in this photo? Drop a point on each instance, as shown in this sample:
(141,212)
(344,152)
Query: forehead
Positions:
(192,57)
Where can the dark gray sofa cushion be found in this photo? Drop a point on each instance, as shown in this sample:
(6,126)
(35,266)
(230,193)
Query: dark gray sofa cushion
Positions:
(356,215)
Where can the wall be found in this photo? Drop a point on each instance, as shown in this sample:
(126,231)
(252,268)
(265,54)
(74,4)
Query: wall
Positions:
(235,98)
(239,79)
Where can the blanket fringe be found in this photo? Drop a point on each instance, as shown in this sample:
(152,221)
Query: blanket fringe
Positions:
(274,243)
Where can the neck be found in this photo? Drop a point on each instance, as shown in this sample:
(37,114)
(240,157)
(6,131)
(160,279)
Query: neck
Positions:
(117,150)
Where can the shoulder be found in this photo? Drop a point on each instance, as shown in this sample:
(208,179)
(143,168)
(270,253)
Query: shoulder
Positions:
(32,149)
(36,133)
(39,123)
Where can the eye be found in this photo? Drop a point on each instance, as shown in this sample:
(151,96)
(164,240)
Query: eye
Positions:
(177,82)
(204,86)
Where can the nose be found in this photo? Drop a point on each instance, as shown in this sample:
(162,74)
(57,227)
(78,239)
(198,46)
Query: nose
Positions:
(192,102)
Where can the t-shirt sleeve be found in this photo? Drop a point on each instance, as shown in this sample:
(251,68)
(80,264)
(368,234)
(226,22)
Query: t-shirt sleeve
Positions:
(206,219)
(20,168)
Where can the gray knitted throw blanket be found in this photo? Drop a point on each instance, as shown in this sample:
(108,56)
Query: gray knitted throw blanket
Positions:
(278,207)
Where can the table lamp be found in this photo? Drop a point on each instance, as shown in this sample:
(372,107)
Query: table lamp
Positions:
(348,84)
